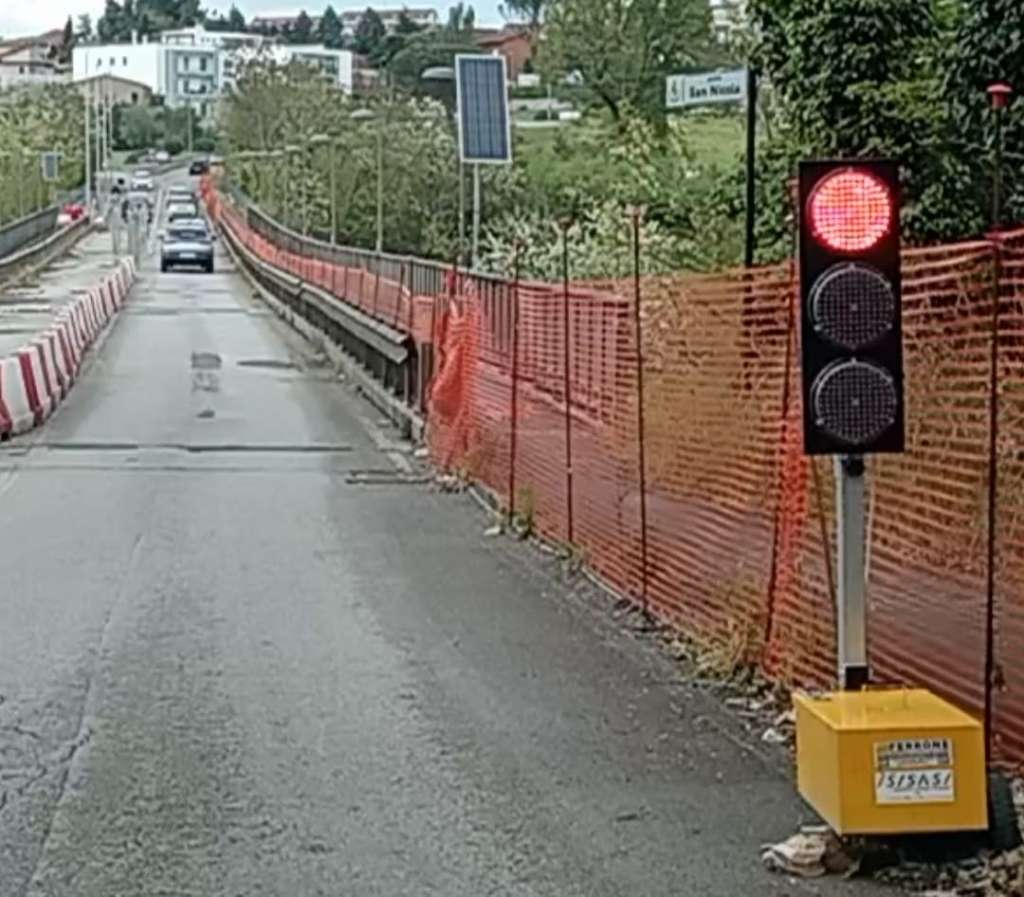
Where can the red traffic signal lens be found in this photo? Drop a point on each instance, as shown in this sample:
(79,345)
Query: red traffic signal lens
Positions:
(850,211)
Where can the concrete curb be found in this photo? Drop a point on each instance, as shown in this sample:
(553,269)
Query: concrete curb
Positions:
(36,378)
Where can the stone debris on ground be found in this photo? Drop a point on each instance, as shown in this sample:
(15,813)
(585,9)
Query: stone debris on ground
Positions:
(811,853)
(816,851)
(985,875)
(447,482)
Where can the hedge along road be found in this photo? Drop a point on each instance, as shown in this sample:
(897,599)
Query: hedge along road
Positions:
(239,655)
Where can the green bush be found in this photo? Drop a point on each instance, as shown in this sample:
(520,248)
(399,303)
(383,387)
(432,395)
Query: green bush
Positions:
(205,144)
(134,157)
(528,93)
(174,146)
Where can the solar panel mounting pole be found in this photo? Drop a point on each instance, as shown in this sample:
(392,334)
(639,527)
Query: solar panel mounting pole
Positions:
(462,211)
(476,214)
(851,601)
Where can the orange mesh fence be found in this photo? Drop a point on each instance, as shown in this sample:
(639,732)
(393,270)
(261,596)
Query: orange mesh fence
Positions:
(534,390)
(1008,678)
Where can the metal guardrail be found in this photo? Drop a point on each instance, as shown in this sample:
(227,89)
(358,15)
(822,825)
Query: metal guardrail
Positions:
(422,276)
(370,347)
(24,231)
(19,263)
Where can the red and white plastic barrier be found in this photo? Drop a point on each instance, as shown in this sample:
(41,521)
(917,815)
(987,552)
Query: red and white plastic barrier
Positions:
(35,379)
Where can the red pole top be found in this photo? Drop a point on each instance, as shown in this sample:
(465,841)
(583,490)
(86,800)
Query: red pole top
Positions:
(999,93)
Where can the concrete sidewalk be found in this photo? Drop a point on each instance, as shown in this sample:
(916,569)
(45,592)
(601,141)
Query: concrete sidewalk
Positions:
(28,308)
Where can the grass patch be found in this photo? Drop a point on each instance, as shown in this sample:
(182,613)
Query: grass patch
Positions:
(714,139)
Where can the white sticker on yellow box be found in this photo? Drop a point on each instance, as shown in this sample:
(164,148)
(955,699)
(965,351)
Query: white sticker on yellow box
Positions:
(925,786)
(913,753)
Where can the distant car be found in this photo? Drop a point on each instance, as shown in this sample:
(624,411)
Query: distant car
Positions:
(180,193)
(176,211)
(72,211)
(196,224)
(162,156)
(186,246)
(141,184)
(200,166)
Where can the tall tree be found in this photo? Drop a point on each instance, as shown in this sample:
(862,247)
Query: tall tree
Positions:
(624,49)
(236,21)
(529,11)
(900,78)
(987,46)
(302,31)
(67,42)
(84,29)
(405,26)
(423,51)
(111,24)
(329,30)
(370,33)
(461,18)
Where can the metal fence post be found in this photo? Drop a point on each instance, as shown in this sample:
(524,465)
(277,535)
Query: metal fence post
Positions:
(566,373)
(993,496)
(514,410)
(641,445)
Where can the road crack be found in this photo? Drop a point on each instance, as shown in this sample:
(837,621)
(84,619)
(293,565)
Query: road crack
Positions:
(83,732)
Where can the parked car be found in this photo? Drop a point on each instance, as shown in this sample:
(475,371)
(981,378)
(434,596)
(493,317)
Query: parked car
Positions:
(71,212)
(200,166)
(186,245)
(162,156)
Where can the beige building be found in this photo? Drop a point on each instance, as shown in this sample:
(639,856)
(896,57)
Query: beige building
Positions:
(115,91)
(31,61)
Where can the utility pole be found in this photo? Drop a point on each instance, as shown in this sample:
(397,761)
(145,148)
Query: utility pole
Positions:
(476,215)
(110,127)
(88,163)
(98,135)
(380,187)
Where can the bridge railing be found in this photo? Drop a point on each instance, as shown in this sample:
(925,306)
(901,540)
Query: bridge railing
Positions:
(20,233)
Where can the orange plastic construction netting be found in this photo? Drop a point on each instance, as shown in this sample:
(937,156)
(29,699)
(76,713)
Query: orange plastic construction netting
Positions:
(698,501)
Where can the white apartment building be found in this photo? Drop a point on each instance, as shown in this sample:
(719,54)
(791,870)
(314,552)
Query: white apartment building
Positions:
(192,66)
(727,15)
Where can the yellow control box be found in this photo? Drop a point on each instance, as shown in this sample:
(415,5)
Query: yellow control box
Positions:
(890,761)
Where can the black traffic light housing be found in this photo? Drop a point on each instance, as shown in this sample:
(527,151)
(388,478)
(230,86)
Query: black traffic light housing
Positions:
(850,300)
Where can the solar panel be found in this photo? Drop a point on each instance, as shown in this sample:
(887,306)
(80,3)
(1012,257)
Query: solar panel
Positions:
(484,127)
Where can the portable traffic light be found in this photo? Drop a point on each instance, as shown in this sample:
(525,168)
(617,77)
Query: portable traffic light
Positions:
(850,292)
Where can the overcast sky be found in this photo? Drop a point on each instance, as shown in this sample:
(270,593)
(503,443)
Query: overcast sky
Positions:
(25,17)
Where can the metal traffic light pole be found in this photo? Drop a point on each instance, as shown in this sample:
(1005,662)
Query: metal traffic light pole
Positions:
(851,595)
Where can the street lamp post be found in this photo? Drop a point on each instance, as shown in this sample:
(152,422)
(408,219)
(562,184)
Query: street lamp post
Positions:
(88,160)
(442,79)
(330,141)
(370,115)
(290,152)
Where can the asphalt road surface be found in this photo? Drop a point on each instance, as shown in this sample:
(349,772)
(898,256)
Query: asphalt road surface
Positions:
(242,654)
